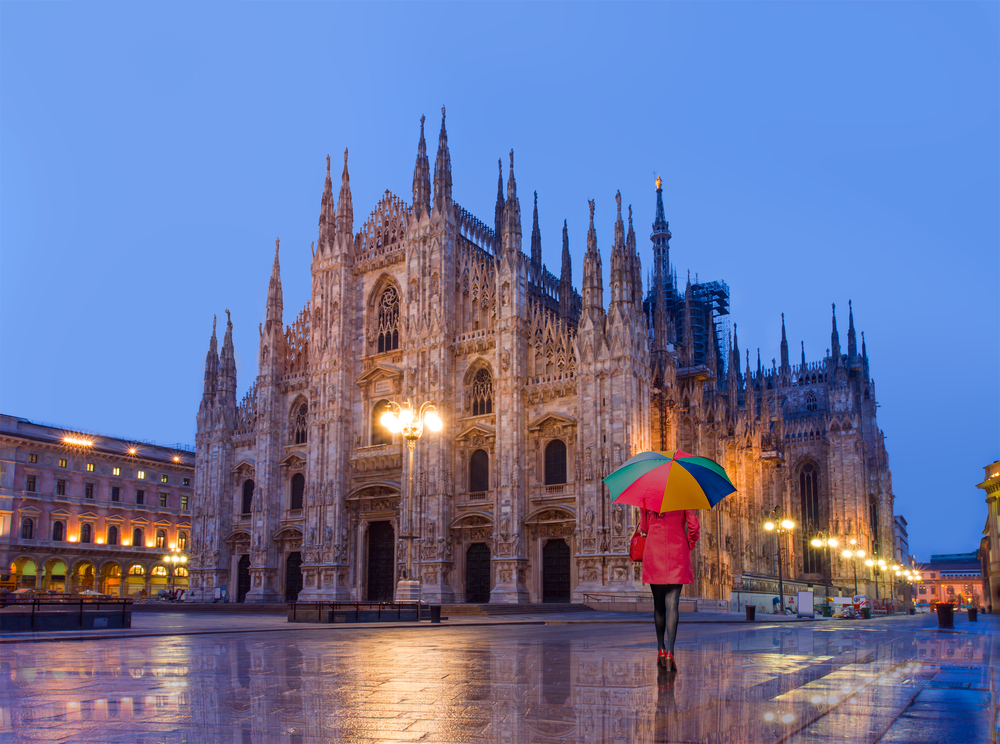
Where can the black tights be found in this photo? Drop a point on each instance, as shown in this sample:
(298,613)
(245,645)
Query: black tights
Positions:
(666,607)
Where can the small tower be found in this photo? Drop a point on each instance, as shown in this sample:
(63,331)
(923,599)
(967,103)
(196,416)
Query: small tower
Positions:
(785,368)
(327,216)
(566,278)
(345,209)
(421,179)
(536,245)
(442,172)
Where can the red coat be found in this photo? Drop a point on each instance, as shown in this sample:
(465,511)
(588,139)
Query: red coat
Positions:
(670,538)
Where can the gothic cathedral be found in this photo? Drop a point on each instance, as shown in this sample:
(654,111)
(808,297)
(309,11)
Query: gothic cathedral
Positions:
(301,492)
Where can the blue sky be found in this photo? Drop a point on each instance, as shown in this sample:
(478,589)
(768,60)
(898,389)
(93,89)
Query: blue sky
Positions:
(812,153)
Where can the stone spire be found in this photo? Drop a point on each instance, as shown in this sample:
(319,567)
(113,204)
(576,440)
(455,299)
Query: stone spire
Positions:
(421,178)
(345,207)
(227,367)
(760,370)
(660,236)
(511,216)
(275,302)
(593,276)
(442,171)
(784,346)
(750,396)
(536,240)
(864,355)
(803,354)
(501,204)
(327,214)
(566,277)
(852,340)
(835,339)
(636,263)
(661,333)
(211,368)
(621,290)
(734,359)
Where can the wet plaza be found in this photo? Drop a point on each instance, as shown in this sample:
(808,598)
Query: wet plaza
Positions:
(579,679)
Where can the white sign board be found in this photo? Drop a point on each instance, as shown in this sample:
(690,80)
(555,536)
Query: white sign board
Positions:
(805,603)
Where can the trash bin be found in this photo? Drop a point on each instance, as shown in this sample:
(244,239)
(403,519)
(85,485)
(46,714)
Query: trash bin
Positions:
(913,610)
(751,612)
(435,613)
(946,614)
(866,613)
(973,615)
(827,611)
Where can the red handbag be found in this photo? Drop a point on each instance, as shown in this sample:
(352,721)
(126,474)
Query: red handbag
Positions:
(636,546)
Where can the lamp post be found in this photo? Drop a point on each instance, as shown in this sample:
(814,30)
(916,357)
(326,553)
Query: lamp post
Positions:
(778,525)
(824,540)
(874,566)
(172,561)
(854,554)
(403,419)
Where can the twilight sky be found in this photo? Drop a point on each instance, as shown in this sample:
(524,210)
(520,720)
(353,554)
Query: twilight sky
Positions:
(811,154)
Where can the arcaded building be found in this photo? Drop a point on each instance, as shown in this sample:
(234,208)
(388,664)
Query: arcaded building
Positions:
(543,388)
(82,512)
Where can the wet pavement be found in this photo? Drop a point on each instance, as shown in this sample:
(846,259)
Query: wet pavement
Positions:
(886,680)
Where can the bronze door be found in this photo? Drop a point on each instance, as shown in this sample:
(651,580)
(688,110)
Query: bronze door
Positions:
(293,576)
(381,549)
(477,574)
(555,571)
(242,578)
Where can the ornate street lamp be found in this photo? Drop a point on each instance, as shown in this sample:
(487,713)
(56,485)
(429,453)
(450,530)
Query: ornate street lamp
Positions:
(172,561)
(777,525)
(403,419)
(823,539)
(853,554)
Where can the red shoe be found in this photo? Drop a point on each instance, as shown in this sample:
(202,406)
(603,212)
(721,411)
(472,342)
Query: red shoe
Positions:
(661,658)
(668,661)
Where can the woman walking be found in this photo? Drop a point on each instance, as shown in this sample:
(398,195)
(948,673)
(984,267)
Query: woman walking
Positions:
(666,566)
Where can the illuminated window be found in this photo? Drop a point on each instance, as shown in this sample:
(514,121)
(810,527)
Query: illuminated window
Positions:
(184,501)
(180,572)
(161,538)
(116,493)
(187,481)
(163,500)
(88,490)
(141,475)
(90,467)
(163,479)
(116,471)
(182,540)
(29,483)
(62,463)
(60,488)
(86,533)
(380,434)
(32,458)
(140,497)
(159,571)
(136,570)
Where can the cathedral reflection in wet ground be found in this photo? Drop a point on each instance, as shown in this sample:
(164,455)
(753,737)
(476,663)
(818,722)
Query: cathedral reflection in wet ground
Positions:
(885,681)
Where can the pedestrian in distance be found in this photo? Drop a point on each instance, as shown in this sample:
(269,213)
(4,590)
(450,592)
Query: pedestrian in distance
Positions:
(666,567)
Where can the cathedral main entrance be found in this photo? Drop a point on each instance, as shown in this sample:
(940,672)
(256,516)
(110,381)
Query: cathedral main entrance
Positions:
(242,578)
(380,558)
(293,576)
(477,574)
(555,571)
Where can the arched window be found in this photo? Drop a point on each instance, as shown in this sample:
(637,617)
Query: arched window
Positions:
(182,540)
(298,490)
(482,392)
(159,571)
(136,570)
(86,533)
(161,538)
(112,535)
(58,530)
(27,529)
(299,425)
(479,472)
(247,496)
(811,518)
(555,462)
(388,320)
(380,435)
(811,403)
(137,540)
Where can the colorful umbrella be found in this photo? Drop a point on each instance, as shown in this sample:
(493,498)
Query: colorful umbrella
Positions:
(669,481)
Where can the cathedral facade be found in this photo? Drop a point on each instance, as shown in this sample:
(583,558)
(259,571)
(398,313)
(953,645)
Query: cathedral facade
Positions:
(543,389)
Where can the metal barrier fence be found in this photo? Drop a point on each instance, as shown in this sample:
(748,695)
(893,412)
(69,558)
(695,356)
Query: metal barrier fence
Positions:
(78,605)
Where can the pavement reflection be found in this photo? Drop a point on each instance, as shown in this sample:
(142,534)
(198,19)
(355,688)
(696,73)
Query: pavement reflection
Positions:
(575,682)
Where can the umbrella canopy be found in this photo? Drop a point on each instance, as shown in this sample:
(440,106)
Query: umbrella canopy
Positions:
(669,481)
